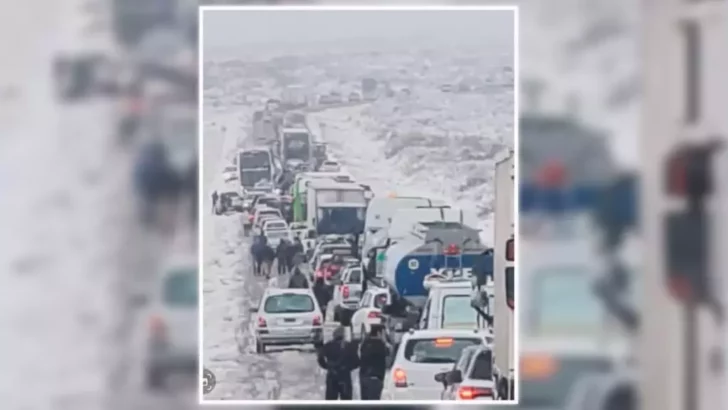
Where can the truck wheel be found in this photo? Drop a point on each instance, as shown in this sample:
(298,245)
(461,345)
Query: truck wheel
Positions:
(503,389)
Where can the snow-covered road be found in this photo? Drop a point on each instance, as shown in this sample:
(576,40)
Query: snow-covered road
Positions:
(230,289)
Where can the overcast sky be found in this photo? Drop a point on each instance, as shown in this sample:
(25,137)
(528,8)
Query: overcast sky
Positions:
(226,29)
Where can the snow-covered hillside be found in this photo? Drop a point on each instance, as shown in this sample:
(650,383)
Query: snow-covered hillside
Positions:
(440,124)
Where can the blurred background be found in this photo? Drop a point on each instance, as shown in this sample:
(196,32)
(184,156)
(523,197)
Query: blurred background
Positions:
(622,97)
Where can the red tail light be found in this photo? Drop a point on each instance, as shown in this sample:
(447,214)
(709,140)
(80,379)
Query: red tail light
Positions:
(319,273)
(317,321)
(374,315)
(261,322)
(510,250)
(400,378)
(345,291)
(470,393)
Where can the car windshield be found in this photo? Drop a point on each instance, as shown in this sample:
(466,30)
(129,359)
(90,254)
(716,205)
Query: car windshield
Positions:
(437,350)
(289,303)
(269,214)
(180,288)
(562,303)
(458,313)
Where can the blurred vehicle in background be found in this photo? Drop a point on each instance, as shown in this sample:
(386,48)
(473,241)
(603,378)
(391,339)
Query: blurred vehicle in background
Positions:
(565,333)
(172,345)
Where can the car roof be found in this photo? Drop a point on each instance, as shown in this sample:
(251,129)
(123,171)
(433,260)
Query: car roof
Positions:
(267,208)
(434,333)
(294,129)
(455,284)
(271,220)
(281,291)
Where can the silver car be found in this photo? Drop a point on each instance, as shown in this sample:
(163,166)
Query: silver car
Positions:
(287,317)
(172,346)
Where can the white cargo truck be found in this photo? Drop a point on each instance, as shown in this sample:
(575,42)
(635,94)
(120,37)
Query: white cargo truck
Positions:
(503,275)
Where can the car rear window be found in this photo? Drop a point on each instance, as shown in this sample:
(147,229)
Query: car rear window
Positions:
(355,276)
(269,214)
(180,288)
(380,301)
(289,303)
(458,313)
(483,366)
(437,350)
(277,234)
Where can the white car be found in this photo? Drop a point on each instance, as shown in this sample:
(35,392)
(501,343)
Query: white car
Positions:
(263,213)
(273,224)
(347,293)
(329,166)
(287,317)
(172,346)
(230,173)
(420,355)
(276,235)
(369,312)
(471,378)
(344,249)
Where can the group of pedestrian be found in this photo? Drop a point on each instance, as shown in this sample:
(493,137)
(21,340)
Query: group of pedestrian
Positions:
(284,254)
(340,357)
(158,183)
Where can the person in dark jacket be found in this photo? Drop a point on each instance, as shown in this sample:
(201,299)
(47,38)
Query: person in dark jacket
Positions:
(321,292)
(373,359)
(214,200)
(298,279)
(267,258)
(282,256)
(339,359)
(260,242)
(256,252)
(295,249)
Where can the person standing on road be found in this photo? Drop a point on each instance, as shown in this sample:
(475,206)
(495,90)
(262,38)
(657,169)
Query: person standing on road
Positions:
(321,292)
(373,358)
(298,280)
(338,359)
(282,256)
(269,255)
(295,249)
(214,200)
